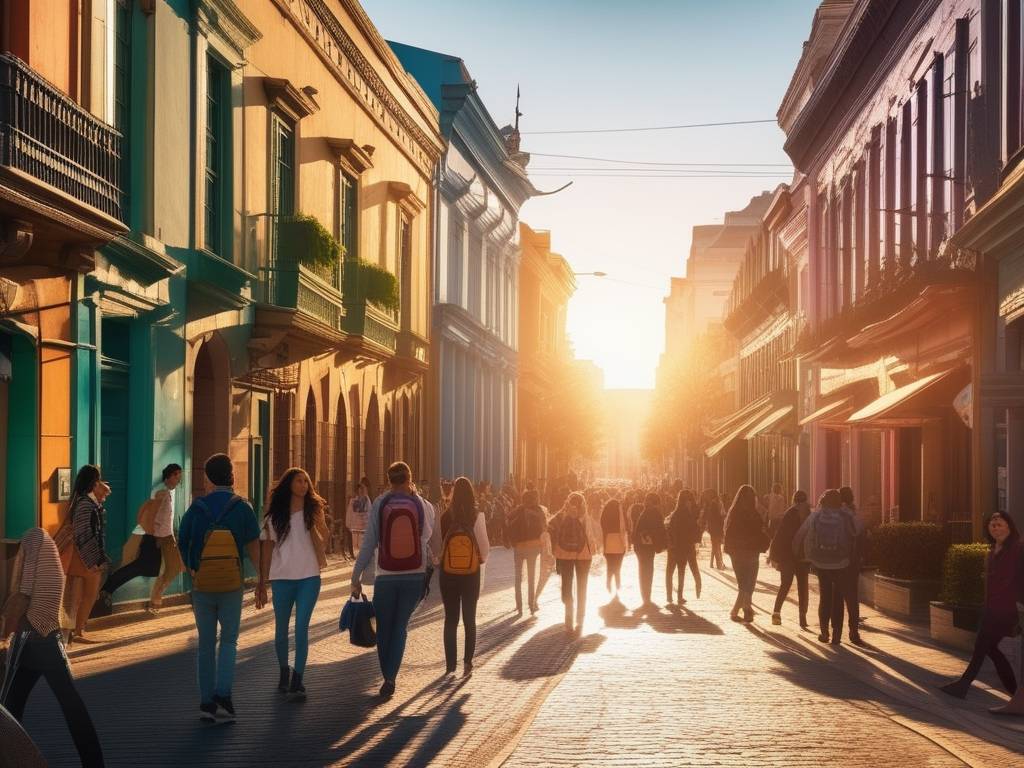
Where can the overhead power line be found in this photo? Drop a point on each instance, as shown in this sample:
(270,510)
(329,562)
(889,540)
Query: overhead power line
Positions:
(651,127)
(550,174)
(651,162)
(644,169)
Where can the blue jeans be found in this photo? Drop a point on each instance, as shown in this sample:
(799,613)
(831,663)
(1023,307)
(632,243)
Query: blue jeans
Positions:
(394,600)
(745,565)
(216,669)
(301,594)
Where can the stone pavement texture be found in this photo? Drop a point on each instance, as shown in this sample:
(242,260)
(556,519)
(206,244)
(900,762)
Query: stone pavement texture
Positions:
(674,688)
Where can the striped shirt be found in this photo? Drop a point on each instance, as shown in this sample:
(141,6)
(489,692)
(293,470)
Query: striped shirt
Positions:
(41,580)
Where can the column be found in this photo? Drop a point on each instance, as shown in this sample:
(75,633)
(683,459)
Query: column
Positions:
(1015,464)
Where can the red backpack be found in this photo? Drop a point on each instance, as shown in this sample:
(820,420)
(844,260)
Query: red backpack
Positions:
(401,531)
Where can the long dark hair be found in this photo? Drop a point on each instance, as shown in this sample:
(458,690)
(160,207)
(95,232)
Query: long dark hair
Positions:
(1014,533)
(86,479)
(745,501)
(611,517)
(462,508)
(279,507)
(685,502)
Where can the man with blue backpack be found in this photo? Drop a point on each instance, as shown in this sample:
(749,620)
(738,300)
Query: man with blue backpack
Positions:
(214,533)
(828,539)
(401,531)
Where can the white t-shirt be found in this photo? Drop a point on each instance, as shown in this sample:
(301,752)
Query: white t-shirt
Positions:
(295,557)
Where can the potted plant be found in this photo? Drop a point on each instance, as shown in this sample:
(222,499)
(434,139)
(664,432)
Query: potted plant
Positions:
(309,241)
(955,615)
(375,284)
(909,558)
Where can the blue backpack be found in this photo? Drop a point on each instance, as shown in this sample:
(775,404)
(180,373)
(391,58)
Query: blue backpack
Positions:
(830,540)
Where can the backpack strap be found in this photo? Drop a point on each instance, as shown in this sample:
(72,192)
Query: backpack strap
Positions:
(232,503)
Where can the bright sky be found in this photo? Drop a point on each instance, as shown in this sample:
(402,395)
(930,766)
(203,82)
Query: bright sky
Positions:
(586,64)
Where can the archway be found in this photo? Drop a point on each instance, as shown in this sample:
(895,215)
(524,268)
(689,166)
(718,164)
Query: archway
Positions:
(389,438)
(357,434)
(210,407)
(371,445)
(309,441)
(341,489)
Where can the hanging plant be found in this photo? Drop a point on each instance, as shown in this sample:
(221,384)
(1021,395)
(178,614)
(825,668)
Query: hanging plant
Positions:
(376,285)
(309,241)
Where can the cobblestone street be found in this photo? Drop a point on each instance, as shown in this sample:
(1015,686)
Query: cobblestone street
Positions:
(673,689)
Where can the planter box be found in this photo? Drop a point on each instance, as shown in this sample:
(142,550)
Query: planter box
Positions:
(954,626)
(909,599)
(867,585)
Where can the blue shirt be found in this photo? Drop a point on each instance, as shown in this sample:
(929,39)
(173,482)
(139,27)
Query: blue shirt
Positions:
(240,520)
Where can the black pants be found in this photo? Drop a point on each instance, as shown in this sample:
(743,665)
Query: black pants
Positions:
(574,572)
(832,586)
(34,656)
(786,576)
(613,564)
(459,593)
(678,559)
(852,596)
(987,644)
(146,564)
(645,567)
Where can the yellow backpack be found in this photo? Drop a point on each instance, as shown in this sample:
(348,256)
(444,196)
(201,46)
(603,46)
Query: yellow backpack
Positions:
(220,567)
(461,557)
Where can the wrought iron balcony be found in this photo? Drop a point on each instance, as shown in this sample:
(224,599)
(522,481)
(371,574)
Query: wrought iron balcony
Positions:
(285,281)
(363,316)
(48,137)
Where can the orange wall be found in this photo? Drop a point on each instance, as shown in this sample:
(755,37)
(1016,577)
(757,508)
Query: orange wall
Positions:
(39,32)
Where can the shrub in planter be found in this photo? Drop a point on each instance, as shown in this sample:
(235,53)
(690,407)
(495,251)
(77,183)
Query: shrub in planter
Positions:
(963,575)
(909,550)
(375,284)
(311,243)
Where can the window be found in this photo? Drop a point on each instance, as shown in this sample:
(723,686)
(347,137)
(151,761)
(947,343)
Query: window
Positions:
(939,169)
(282,166)
(348,214)
(905,219)
(456,237)
(405,268)
(857,248)
(844,257)
(874,203)
(891,203)
(921,171)
(1012,19)
(216,201)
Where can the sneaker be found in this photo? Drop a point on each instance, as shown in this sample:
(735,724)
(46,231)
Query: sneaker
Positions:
(823,637)
(208,712)
(225,709)
(282,680)
(803,623)
(152,610)
(387,690)
(296,691)
(776,620)
(857,640)
(955,689)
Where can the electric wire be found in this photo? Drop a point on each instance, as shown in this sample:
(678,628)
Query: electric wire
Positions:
(651,162)
(649,127)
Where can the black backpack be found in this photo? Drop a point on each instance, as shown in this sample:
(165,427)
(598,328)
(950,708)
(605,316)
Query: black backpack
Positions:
(526,525)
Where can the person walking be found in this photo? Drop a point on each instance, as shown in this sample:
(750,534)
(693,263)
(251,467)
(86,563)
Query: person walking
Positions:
(217,531)
(714,522)
(683,534)
(525,527)
(789,563)
(1004,577)
(358,512)
(649,538)
(745,540)
(775,503)
(463,554)
(292,555)
(827,537)
(852,575)
(575,542)
(616,544)
(33,614)
(81,541)
(155,520)
(400,532)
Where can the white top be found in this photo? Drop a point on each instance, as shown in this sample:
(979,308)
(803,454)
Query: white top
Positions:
(295,557)
(163,521)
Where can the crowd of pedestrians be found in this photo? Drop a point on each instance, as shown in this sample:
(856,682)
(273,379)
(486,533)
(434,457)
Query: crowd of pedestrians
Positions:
(403,538)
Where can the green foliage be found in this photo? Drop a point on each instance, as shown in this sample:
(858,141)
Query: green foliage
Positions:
(909,550)
(375,284)
(309,241)
(963,575)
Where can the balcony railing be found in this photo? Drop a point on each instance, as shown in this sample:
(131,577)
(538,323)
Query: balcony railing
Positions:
(285,282)
(363,317)
(46,135)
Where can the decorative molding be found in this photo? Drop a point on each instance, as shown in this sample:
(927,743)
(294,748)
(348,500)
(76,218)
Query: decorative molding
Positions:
(226,20)
(406,198)
(326,34)
(287,98)
(356,159)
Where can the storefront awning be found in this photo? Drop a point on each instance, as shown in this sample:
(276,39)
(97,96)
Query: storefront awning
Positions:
(769,422)
(837,408)
(735,429)
(921,399)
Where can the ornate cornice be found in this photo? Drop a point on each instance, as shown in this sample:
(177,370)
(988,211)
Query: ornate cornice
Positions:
(351,154)
(226,19)
(289,99)
(350,67)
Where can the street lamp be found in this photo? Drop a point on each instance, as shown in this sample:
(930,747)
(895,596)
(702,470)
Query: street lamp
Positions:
(594,274)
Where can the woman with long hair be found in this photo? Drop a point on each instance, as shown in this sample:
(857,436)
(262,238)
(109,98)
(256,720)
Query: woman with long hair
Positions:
(616,543)
(358,510)
(683,535)
(82,545)
(575,541)
(292,555)
(464,532)
(713,521)
(745,540)
(1003,581)
(649,538)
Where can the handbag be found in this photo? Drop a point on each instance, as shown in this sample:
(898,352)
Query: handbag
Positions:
(358,619)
